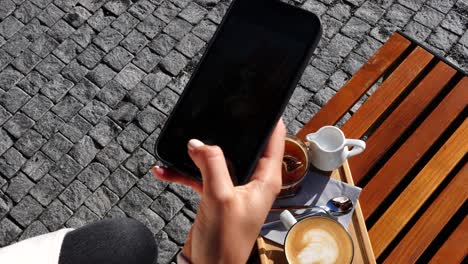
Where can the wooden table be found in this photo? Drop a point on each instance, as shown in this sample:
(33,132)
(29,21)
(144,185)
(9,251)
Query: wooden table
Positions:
(270,252)
(414,171)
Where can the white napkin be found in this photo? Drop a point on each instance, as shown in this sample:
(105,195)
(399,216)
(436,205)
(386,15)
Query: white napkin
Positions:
(316,189)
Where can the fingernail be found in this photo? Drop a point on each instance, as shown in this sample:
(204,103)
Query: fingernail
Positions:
(158,170)
(194,143)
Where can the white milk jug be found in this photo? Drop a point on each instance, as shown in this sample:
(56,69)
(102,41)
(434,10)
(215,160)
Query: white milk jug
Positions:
(329,148)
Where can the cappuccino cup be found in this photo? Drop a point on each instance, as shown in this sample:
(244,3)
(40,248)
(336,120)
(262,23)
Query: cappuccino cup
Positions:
(316,239)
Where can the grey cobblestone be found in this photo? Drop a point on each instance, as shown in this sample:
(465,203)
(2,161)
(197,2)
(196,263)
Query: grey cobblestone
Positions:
(5,141)
(36,228)
(5,115)
(134,202)
(84,91)
(61,30)
(178,228)
(117,7)
(76,128)
(165,100)
(112,93)
(55,215)
(50,66)
(46,190)
(442,5)
(44,45)
(141,95)
(166,248)
(57,146)
(151,186)
(29,143)
(429,17)
(94,175)
(118,58)
(105,131)
(191,197)
(26,61)
(131,137)
(146,60)
(75,195)
(13,99)
(84,151)
(50,15)
(6,7)
(94,111)
(49,124)
(174,62)
(167,11)
(82,216)
(120,181)
(32,82)
(100,20)
(16,45)
(74,71)
(108,39)
(151,220)
(68,50)
(37,166)
(10,162)
(134,42)
(101,75)
(455,22)
(101,201)
(157,81)
(84,35)
(141,9)
(125,23)
(124,113)
(18,124)
(91,56)
(67,107)
(177,28)
(129,76)
(442,39)
(9,77)
(167,205)
(162,44)
(150,118)
(140,162)
(8,232)
(151,26)
(112,155)
(77,16)
(65,170)
(9,26)
(116,212)
(19,186)
(26,211)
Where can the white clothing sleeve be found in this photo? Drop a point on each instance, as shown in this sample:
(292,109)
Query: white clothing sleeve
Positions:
(43,249)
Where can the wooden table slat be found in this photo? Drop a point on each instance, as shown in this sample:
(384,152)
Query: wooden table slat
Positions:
(417,192)
(413,149)
(386,94)
(426,229)
(455,249)
(401,118)
(340,104)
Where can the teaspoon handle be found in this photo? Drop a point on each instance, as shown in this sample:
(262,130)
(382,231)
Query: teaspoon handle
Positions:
(297,207)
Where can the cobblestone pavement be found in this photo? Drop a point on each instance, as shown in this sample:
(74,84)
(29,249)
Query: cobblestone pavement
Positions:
(85,86)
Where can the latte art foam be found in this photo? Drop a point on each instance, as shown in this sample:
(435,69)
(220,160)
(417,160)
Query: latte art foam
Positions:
(318,240)
(320,247)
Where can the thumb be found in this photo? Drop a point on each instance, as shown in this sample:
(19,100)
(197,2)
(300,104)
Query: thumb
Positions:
(212,164)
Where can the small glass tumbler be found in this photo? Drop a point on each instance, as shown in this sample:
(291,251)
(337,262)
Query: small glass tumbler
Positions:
(295,166)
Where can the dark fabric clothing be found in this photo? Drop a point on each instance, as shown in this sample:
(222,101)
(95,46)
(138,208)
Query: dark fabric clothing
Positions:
(113,241)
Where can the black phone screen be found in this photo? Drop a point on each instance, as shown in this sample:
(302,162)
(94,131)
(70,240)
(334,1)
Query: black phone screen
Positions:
(241,85)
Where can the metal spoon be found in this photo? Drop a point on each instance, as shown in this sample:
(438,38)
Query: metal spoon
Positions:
(336,206)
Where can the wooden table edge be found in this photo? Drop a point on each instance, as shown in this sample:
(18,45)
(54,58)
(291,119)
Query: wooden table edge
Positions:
(358,221)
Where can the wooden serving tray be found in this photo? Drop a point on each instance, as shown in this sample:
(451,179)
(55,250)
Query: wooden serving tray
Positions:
(271,252)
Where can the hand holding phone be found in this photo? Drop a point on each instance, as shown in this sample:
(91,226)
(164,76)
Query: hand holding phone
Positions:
(241,85)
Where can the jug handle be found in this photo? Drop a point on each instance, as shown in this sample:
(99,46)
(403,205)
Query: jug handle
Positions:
(358,146)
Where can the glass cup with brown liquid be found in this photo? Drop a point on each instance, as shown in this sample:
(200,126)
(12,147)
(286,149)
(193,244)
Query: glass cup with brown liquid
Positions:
(295,166)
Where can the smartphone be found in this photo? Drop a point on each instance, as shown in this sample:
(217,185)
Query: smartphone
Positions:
(241,85)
